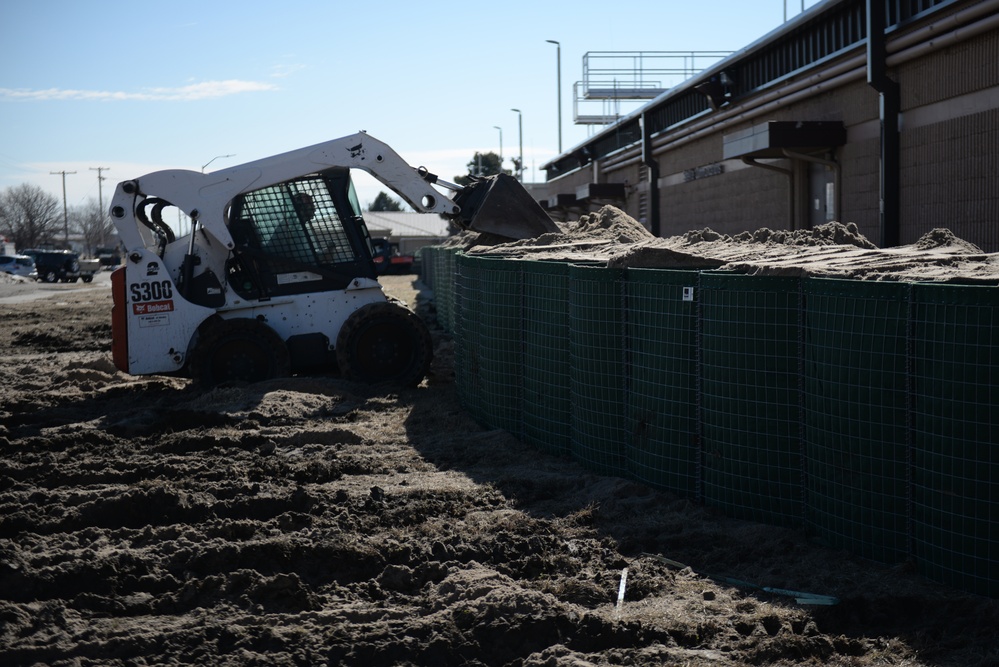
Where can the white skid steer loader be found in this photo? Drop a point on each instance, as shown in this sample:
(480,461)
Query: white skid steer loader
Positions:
(276,275)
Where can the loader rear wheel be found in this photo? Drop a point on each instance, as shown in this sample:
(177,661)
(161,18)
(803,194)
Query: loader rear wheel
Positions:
(384,342)
(240,350)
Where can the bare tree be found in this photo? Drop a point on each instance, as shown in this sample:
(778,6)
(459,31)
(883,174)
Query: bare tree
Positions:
(29,216)
(94,225)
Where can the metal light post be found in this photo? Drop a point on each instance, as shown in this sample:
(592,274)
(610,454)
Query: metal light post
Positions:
(520,130)
(558,88)
(497,127)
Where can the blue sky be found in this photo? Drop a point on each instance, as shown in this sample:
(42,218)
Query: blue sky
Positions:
(138,86)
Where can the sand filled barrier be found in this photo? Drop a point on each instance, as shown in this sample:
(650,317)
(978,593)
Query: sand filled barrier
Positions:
(805,379)
(833,250)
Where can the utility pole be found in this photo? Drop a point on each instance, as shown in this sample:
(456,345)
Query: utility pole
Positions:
(65,212)
(100,199)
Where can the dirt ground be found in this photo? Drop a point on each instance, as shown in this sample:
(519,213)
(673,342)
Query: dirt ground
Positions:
(310,521)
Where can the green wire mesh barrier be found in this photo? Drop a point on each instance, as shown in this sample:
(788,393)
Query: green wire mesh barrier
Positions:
(955,454)
(864,413)
(596,367)
(467,310)
(438,266)
(855,415)
(661,416)
(499,340)
(750,396)
(427,273)
(547,403)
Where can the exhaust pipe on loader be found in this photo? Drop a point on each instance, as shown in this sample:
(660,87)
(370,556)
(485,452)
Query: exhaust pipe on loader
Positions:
(501,205)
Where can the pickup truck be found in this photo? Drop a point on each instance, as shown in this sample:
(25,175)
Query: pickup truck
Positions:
(89,268)
(62,266)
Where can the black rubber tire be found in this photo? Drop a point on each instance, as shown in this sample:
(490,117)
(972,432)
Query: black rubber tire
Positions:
(384,343)
(239,350)
(88,279)
(49,277)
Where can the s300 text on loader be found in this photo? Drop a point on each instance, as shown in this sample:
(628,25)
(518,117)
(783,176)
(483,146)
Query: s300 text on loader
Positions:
(276,275)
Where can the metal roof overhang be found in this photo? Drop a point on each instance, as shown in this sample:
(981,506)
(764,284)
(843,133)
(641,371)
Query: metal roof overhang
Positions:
(775,139)
(596,191)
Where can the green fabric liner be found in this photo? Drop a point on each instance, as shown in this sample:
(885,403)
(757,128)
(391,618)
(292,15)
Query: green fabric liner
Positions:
(596,362)
(660,416)
(855,447)
(547,404)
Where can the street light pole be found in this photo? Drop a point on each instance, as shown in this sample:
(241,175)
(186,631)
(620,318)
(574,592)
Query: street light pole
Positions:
(520,130)
(213,160)
(558,88)
(497,127)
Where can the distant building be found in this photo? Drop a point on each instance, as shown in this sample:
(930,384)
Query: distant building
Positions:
(815,122)
(411,231)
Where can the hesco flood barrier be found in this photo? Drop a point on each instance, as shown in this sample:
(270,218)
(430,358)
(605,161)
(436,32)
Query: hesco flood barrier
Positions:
(863,413)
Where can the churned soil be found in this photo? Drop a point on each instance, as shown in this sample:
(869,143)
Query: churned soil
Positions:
(311,521)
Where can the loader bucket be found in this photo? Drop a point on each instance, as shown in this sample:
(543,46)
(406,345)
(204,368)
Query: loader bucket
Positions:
(500,205)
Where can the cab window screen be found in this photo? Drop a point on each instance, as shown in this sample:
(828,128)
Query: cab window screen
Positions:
(296,221)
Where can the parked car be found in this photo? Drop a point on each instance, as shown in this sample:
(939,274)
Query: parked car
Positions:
(17,265)
(55,265)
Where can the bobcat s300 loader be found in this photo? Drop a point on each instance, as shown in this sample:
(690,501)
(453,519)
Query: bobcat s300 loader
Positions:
(276,275)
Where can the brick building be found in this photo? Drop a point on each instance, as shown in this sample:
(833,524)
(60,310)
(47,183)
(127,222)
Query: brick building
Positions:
(815,122)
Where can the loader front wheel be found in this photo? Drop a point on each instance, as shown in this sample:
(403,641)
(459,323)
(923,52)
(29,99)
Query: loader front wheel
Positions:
(240,350)
(384,343)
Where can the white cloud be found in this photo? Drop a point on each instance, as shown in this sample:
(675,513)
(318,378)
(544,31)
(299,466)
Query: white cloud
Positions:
(195,91)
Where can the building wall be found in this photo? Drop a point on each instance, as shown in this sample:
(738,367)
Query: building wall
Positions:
(950,142)
(861,186)
(745,198)
(949,154)
(568,183)
(631,175)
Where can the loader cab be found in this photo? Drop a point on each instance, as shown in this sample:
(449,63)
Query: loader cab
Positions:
(299,236)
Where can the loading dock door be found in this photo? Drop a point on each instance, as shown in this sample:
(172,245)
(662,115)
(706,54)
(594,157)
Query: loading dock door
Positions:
(810,175)
(821,194)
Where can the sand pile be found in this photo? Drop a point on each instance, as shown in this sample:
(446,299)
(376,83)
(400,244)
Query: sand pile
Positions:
(832,250)
(8,279)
